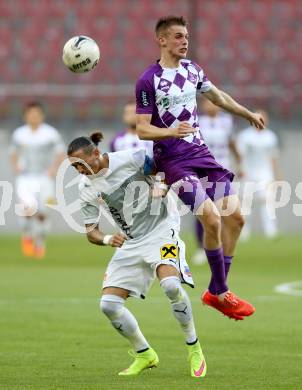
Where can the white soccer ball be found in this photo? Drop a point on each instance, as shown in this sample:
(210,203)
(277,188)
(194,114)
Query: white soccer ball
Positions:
(81,54)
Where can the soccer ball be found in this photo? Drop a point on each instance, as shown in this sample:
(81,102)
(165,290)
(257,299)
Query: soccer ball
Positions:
(81,54)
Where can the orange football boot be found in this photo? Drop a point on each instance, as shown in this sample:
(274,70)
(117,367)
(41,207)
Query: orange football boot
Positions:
(231,306)
(27,246)
(40,252)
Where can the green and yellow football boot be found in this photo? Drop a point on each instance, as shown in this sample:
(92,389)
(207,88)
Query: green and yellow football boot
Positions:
(142,360)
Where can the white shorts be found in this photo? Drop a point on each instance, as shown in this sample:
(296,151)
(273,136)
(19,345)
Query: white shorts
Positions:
(35,192)
(133,267)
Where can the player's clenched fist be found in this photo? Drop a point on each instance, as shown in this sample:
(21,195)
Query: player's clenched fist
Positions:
(182,130)
(117,240)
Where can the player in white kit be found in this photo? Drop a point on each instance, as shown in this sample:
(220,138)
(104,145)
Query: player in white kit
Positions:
(259,149)
(218,133)
(37,150)
(148,246)
(128,138)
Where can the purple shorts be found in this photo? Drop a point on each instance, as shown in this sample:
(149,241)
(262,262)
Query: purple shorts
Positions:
(195,176)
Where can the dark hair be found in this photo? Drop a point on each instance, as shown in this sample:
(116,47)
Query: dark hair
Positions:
(168,21)
(86,143)
(33,104)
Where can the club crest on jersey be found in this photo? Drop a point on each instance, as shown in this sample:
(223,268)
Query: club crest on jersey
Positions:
(169,251)
(165,102)
(192,77)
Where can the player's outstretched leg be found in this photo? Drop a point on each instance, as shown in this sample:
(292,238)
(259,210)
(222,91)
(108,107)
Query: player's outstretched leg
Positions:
(231,305)
(27,242)
(182,310)
(219,256)
(126,324)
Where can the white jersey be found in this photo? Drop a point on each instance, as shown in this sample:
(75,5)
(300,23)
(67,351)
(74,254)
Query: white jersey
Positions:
(127,140)
(217,132)
(36,149)
(125,190)
(258,148)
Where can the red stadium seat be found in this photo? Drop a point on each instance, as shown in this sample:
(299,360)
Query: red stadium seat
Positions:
(249,46)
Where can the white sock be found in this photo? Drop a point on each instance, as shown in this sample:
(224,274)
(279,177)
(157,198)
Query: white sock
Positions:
(181,306)
(26,224)
(40,229)
(269,224)
(123,321)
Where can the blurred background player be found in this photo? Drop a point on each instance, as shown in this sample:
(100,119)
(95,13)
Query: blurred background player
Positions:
(36,152)
(128,138)
(218,133)
(259,149)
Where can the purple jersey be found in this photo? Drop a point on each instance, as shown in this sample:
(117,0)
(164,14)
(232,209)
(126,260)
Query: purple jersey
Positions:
(169,94)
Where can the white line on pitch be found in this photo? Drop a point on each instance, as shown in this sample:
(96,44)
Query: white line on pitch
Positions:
(291,288)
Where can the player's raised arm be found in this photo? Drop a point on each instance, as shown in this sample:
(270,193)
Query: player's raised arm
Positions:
(225,101)
(95,236)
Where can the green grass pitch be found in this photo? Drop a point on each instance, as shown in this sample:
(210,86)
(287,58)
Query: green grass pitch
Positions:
(53,336)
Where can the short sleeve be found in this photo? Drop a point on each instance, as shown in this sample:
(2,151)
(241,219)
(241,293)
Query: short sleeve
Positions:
(229,123)
(275,146)
(90,212)
(145,97)
(59,146)
(112,145)
(240,142)
(139,158)
(14,145)
(204,84)
(89,203)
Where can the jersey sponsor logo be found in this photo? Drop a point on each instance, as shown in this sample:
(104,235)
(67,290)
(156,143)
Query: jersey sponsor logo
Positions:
(145,98)
(169,251)
(169,102)
(118,218)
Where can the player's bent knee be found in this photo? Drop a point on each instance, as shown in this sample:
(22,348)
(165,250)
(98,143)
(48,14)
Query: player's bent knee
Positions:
(237,220)
(111,305)
(212,225)
(240,220)
(172,287)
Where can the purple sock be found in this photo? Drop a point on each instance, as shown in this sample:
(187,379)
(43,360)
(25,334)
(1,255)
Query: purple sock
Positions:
(216,261)
(227,265)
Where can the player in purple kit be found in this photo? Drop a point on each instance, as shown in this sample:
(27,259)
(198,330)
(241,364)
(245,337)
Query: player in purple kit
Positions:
(167,114)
